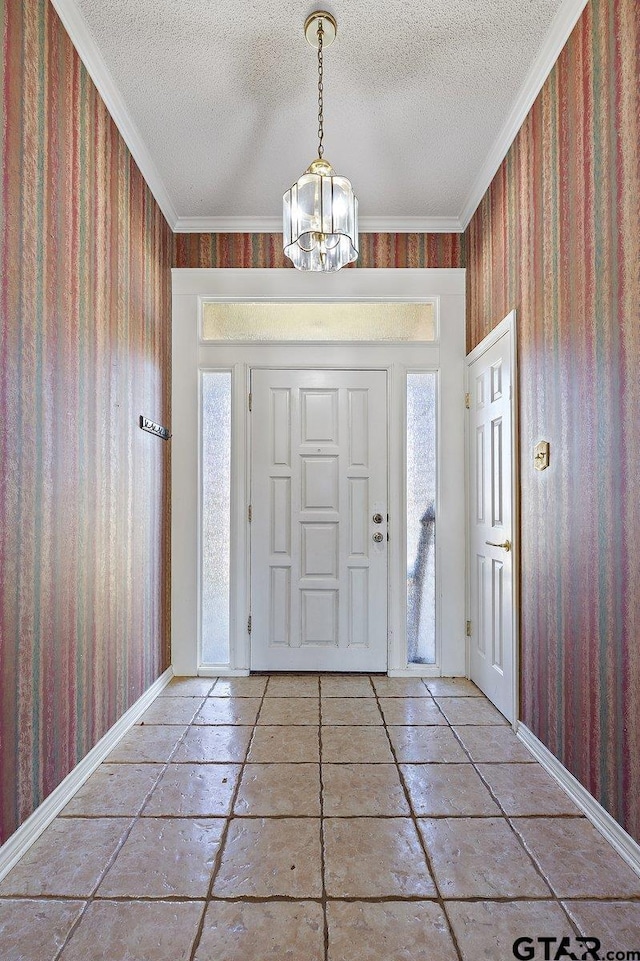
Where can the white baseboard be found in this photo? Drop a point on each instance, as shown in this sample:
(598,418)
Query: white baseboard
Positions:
(28,832)
(221,672)
(624,844)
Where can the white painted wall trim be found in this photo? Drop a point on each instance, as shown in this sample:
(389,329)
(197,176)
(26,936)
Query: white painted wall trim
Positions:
(29,832)
(624,844)
(559,32)
(190,288)
(273,225)
(89,52)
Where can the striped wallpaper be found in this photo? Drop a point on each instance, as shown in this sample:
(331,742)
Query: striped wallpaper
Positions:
(85,335)
(265,250)
(557,236)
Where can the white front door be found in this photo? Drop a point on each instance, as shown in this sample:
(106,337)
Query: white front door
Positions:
(319,520)
(490,522)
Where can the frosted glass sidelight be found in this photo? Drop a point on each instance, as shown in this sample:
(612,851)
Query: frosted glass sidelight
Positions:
(421,517)
(216,515)
(390,322)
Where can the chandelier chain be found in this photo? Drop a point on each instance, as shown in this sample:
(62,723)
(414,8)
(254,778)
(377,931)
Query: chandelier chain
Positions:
(320,91)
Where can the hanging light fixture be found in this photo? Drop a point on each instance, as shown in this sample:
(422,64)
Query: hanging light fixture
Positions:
(320,211)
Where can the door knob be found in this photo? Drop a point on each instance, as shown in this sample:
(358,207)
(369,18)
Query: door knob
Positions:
(377,518)
(506,545)
(378,537)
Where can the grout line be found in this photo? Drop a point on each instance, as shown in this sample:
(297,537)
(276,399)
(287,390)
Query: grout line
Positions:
(325,899)
(323,867)
(224,835)
(553,896)
(123,839)
(414,819)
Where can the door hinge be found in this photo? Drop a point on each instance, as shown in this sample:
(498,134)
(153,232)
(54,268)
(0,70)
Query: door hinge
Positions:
(250,400)
(469,631)
(249,625)
(250,514)
(467,401)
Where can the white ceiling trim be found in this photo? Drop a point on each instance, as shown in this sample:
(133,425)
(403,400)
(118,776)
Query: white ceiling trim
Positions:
(75,25)
(273,225)
(559,32)
(90,55)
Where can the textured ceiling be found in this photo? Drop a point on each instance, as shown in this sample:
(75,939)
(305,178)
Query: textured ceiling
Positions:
(223,95)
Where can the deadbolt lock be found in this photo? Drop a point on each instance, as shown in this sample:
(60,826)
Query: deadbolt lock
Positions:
(377,518)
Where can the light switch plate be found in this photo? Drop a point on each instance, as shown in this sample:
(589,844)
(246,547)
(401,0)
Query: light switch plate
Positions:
(541,455)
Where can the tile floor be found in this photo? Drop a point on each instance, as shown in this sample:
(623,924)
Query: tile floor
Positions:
(290,818)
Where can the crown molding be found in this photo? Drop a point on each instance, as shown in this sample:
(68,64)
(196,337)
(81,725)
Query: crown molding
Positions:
(87,49)
(559,32)
(273,225)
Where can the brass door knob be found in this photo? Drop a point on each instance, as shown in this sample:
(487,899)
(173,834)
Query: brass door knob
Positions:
(506,545)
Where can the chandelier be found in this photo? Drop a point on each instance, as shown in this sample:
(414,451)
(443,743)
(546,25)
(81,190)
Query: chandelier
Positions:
(320,211)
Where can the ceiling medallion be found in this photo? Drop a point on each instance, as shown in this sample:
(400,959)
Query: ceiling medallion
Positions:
(320,211)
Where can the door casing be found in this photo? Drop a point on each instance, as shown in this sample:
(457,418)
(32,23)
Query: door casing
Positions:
(191,287)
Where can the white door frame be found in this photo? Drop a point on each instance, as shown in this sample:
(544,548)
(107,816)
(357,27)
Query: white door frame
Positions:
(506,326)
(191,287)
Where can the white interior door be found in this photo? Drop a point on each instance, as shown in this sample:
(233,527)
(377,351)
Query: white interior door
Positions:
(490,522)
(318,548)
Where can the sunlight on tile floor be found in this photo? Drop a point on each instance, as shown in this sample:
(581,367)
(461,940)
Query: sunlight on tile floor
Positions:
(306,818)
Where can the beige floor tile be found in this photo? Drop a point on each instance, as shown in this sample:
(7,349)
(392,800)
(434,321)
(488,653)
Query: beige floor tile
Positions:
(389,931)
(165,857)
(576,859)
(239,687)
(341,686)
(494,745)
(188,687)
(289,710)
(411,710)
(116,790)
(271,931)
(451,790)
(400,687)
(525,789)
(147,743)
(293,686)
(452,687)
(616,923)
(355,745)
(356,790)
(194,790)
(467,710)
(420,745)
(350,710)
(172,710)
(35,930)
(267,857)
(479,858)
(135,931)
(487,930)
(228,710)
(276,744)
(375,857)
(68,859)
(267,790)
(215,743)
